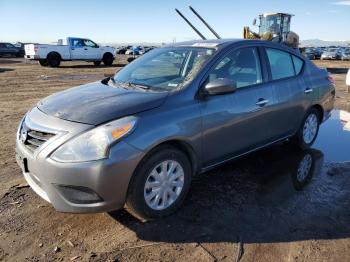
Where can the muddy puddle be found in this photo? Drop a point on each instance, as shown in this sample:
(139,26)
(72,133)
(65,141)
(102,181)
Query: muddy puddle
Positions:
(279,194)
(334,137)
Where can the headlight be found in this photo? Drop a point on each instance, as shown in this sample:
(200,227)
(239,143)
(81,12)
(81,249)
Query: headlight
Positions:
(94,144)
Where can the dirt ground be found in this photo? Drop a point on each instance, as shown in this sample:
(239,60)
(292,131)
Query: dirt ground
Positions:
(252,209)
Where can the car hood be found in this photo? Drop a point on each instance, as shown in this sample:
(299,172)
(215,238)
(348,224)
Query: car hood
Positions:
(97,103)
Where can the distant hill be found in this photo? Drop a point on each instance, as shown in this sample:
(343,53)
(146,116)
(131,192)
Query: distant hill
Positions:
(318,42)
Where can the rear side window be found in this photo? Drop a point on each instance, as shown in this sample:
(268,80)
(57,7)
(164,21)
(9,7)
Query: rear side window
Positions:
(298,64)
(281,64)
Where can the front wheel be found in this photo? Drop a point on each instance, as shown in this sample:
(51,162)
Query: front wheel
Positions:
(108,59)
(308,131)
(160,184)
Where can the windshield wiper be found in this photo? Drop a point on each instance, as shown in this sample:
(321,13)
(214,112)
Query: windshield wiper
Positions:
(142,86)
(128,85)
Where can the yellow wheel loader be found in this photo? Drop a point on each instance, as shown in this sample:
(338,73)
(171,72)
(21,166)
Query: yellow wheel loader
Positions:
(274,27)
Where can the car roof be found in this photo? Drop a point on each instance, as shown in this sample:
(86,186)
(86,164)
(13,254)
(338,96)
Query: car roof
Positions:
(214,43)
(222,43)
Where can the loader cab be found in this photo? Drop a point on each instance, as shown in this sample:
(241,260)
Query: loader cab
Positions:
(278,24)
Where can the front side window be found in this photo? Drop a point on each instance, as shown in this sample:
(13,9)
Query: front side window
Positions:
(298,64)
(10,46)
(165,69)
(281,63)
(241,66)
(89,43)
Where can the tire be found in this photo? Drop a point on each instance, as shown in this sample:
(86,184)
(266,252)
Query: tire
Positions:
(43,62)
(108,59)
(302,175)
(130,59)
(97,63)
(54,60)
(302,138)
(136,201)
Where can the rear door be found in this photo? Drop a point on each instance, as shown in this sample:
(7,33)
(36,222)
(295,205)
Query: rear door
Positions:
(292,93)
(238,122)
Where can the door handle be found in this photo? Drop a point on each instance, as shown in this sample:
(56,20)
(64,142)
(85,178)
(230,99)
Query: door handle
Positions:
(72,48)
(262,102)
(85,49)
(308,90)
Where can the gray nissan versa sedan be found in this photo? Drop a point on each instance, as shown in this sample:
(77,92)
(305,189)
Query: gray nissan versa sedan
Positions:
(137,138)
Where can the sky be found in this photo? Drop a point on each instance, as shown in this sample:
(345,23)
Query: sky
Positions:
(155,21)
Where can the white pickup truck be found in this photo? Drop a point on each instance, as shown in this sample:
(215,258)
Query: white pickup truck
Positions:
(69,49)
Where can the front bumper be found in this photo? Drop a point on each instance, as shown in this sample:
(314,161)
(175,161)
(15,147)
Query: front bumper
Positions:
(329,57)
(104,182)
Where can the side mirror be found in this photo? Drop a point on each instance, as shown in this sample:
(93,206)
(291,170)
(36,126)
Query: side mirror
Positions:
(254,21)
(220,86)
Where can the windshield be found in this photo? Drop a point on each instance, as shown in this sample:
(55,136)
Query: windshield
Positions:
(270,24)
(164,69)
(332,50)
(309,50)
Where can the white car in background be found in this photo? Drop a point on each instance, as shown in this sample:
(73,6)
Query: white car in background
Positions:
(70,49)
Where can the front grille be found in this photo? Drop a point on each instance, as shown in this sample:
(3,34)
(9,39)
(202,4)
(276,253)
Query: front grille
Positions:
(33,139)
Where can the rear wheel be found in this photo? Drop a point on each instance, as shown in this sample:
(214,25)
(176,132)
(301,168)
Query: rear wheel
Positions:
(308,131)
(160,184)
(53,60)
(108,59)
(43,62)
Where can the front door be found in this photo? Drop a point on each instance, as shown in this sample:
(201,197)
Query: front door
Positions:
(238,122)
(93,50)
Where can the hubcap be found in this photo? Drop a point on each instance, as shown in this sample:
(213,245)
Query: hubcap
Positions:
(304,168)
(164,185)
(310,128)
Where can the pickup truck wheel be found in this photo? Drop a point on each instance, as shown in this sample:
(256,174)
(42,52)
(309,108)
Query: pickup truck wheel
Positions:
(97,63)
(108,59)
(43,62)
(54,59)
(160,184)
(308,130)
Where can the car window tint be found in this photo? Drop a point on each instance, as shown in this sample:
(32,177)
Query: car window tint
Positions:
(281,64)
(77,43)
(89,43)
(242,66)
(298,64)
